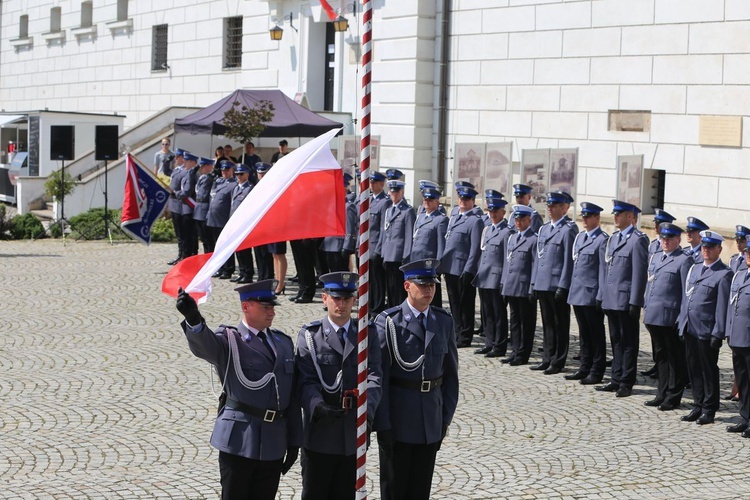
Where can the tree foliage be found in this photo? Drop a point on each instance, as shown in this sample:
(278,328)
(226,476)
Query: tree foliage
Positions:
(243,123)
(53,186)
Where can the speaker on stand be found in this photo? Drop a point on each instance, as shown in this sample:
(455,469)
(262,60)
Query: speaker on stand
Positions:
(62,148)
(105,140)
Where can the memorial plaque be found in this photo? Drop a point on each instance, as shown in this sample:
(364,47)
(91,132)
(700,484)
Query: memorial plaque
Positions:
(716,130)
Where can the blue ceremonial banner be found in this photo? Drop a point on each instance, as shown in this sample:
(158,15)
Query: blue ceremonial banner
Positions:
(144,201)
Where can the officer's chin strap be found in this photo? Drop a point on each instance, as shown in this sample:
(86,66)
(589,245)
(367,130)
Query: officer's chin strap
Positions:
(339,376)
(391,336)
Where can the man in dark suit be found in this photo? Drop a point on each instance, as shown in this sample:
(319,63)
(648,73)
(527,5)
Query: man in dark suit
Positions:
(420,385)
(738,335)
(258,430)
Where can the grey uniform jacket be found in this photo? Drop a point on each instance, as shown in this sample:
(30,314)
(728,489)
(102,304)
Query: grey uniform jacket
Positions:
(738,312)
(202,196)
(239,433)
(396,232)
(340,436)
(703,312)
(239,193)
(588,255)
(518,269)
(349,240)
(554,263)
(654,247)
(376,225)
(416,416)
(462,244)
(738,262)
(221,202)
(428,240)
(623,281)
(179,183)
(494,241)
(476,210)
(664,290)
(421,209)
(695,255)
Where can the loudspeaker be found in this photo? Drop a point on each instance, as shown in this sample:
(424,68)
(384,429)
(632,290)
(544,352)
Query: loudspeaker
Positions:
(62,142)
(106,139)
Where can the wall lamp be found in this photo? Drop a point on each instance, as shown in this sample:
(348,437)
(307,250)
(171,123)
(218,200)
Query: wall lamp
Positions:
(341,24)
(277,32)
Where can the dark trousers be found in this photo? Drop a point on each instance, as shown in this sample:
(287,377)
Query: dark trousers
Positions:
(556,327)
(394,284)
(437,299)
(669,354)
(177,225)
(328,477)
(593,339)
(228,266)
(337,262)
(247,478)
(703,368)
(321,264)
(245,263)
(494,319)
(304,252)
(522,325)
(202,233)
(461,299)
(623,333)
(741,364)
(189,235)
(407,473)
(377,285)
(264,260)
(209,238)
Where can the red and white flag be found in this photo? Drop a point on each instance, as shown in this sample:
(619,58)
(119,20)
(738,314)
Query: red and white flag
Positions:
(302,196)
(329,10)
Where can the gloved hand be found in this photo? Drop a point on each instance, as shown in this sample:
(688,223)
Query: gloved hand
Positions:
(635,312)
(561,295)
(466,277)
(386,441)
(326,413)
(345,253)
(716,343)
(534,294)
(188,308)
(599,305)
(500,289)
(291,456)
(442,436)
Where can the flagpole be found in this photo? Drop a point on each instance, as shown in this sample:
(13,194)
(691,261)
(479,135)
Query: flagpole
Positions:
(364,254)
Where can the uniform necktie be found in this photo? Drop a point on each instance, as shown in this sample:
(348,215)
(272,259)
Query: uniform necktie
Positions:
(585,238)
(620,240)
(420,318)
(747,274)
(663,256)
(341,333)
(263,338)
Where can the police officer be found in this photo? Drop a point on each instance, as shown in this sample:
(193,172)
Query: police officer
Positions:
(219,209)
(258,430)
(520,255)
(667,272)
(461,186)
(738,338)
(702,324)
(554,268)
(379,199)
(522,192)
(420,385)
(494,312)
(276,250)
(621,289)
(178,205)
(428,240)
(659,217)
(395,241)
(425,184)
(694,228)
(737,262)
(327,365)
(459,264)
(337,249)
(244,256)
(202,199)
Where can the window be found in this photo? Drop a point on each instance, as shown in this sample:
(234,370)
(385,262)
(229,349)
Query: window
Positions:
(54,19)
(159,48)
(87,14)
(232,42)
(23,26)
(122,10)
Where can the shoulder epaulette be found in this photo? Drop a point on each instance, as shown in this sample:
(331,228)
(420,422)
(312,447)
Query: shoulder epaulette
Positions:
(279,332)
(733,256)
(440,310)
(640,233)
(313,325)
(605,233)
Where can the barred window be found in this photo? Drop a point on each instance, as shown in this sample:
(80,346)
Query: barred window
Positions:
(55,14)
(23,26)
(159,48)
(122,10)
(232,42)
(87,14)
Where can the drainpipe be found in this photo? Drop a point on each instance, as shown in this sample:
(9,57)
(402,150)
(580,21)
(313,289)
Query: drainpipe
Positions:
(442,160)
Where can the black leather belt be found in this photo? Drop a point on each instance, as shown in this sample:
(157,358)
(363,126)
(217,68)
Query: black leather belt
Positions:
(422,385)
(332,399)
(266,415)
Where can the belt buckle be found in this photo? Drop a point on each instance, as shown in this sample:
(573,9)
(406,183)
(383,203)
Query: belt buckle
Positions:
(270,416)
(426,386)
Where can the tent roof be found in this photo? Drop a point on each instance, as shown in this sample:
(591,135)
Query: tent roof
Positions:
(289,120)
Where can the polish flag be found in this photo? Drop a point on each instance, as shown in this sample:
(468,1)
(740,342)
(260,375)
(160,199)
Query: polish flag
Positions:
(302,196)
(329,10)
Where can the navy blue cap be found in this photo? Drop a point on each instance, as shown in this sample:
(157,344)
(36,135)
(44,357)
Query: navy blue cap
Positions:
(669,229)
(431,193)
(623,206)
(522,211)
(558,197)
(428,184)
(494,203)
(396,185)
(179,152)
(340,284)
(262,167)
(741,232)
(464,184)
(347,178)
(376,176)
(241,168)
(421,271)
(394,174)
(519,189)
(225,164)
(662,216)
(588,208)
(695,224)
(711,238)
(466,192)
(190,156)
(491,193)
(260,291)
(205,161)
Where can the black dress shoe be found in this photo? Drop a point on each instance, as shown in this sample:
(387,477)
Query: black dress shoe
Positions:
(216,274)
(579,375)
(174,261)
(552,370)
(225,276)
(463,344)
(509,359)
(610,387)
(729,397)
(746,434)
(667,406)
(245,279)
(540,367)
(494,354)
(654,402)
(236,279)
(294,279)
(591,380)
(483,350)
(303,300)
(577,357)
(706,418)
(741,427)
(650,373)
(624,392)
(517,362)
(694,414)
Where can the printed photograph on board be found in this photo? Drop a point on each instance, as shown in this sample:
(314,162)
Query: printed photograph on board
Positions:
(468,164)
(348,153)
(630,178)
(534,172)
(563,164)
(498,167)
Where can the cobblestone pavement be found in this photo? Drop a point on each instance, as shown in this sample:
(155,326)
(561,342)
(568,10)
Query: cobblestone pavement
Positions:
(102,399)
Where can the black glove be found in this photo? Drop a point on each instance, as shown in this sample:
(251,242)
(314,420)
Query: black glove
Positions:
(326,413)
(534,294)
(442,436)
(635,312)
(292,453)
(682,338)
(599,305)
(385,441)
(188,308)
(345,253)
(561,295)
(467,277)
(716,343)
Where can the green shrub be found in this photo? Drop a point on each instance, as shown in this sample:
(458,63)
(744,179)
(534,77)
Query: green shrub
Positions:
(26,226)
(6,224)
(91,225)
(54,188)
(163,231)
